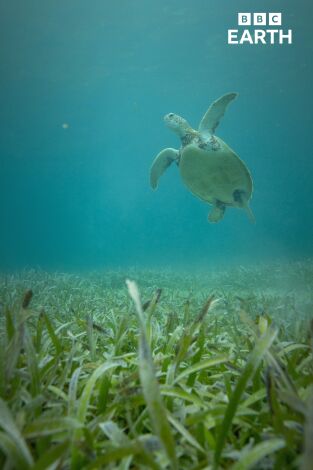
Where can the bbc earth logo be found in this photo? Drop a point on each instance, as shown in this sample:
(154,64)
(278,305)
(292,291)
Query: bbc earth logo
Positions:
(253,34)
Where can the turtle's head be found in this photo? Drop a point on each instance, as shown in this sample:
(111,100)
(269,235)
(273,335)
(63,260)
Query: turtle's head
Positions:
(178,124)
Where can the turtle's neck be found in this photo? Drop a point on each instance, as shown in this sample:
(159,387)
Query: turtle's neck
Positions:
(187,136)
(186,139)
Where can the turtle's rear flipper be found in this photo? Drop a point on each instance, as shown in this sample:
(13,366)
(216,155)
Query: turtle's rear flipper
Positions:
(216,213)
(240,198)
(249,213)
(161,162)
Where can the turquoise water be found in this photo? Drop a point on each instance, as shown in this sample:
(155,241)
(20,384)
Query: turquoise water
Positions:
(84,88)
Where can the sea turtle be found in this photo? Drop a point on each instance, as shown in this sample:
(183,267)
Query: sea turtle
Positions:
(209,168)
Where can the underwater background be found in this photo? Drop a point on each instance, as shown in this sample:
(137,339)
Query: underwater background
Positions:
(133,333)
(84,88)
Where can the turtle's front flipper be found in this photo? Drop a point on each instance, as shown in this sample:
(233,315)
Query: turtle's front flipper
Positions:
(161,162)
(217,212)
(214,114)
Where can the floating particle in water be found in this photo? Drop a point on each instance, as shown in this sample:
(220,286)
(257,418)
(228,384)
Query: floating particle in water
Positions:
(65,125)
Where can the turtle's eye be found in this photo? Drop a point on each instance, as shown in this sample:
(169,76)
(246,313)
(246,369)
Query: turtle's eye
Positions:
(171,115)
